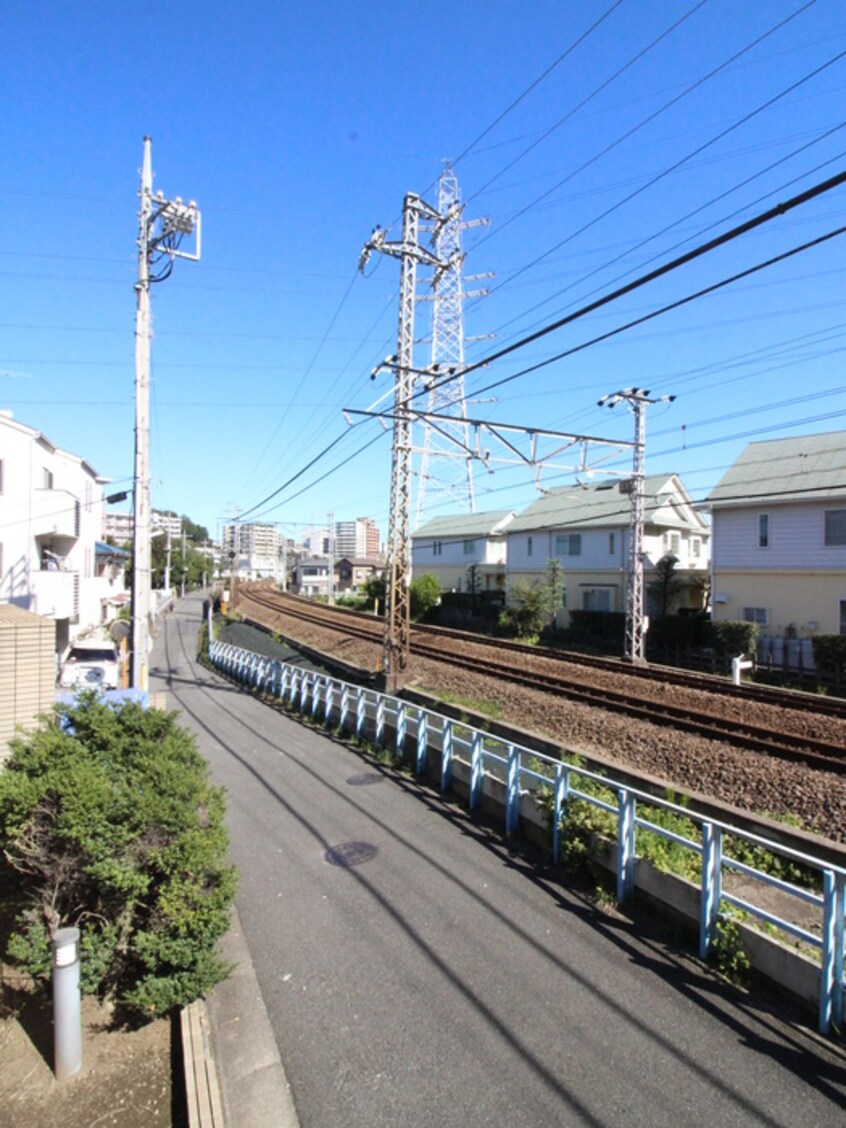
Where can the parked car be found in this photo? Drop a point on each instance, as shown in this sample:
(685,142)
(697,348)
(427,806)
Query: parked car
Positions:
(91,665)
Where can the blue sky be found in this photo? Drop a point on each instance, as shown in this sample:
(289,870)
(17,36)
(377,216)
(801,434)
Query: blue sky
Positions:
(297,128)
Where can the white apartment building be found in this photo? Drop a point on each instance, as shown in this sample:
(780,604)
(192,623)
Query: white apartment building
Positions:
(359,538)
(258,548)
(51,518)
(119,526)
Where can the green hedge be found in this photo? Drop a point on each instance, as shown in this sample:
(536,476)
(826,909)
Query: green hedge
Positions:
(110,823)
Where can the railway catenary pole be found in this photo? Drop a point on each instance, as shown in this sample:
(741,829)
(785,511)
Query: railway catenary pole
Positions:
(162,226)
(637,400)
(410,254)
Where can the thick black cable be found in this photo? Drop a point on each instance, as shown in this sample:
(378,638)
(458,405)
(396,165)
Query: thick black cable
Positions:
(681,260)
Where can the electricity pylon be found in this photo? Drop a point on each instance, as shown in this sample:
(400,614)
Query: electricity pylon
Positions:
(637,400)
(444,472)
(410,253)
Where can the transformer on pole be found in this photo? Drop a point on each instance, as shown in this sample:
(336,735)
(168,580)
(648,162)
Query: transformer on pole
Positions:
(162,226)
(410,253)
(637,399)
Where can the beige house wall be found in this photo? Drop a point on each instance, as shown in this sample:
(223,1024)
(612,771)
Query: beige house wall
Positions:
(807,600)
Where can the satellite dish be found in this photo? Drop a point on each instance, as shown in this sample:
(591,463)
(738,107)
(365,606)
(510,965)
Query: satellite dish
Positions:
(119,629)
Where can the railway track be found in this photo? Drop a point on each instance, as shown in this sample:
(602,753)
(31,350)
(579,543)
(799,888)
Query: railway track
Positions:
(451,647)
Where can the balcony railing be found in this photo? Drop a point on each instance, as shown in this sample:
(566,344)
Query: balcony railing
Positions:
(55,513)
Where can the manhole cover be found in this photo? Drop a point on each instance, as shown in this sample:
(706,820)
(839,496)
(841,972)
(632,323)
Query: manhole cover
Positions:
(350,854)
(366,779)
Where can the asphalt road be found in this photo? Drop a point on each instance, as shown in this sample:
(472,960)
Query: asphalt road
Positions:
(437,979)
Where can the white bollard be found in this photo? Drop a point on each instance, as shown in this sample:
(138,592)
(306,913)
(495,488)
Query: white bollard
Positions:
(67,1011)
(738,664)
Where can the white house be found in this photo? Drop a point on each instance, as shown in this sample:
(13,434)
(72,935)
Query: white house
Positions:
(311,576)
(586,530)
(447,547)
(779,527)
(51,517)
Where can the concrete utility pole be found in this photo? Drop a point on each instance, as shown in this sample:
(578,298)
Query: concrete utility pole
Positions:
(636,625)
(410,253)
(162,226)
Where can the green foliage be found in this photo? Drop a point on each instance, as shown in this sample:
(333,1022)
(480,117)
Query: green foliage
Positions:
(524,615)
(482,705)
(727,951)
(113,825)
(425,594)
(830,653)
(374,592)
(605,627)
(665,583)
(732,637)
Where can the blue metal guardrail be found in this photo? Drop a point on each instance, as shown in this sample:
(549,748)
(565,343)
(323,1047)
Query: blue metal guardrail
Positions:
(360,711)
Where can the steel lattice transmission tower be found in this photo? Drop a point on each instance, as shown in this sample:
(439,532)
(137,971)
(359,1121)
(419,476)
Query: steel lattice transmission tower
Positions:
(410,254)
(444,471)
(637,399)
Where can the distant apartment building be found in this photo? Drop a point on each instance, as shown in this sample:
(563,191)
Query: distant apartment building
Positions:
(51,520)
(359,538)
(258,548)
(119,527)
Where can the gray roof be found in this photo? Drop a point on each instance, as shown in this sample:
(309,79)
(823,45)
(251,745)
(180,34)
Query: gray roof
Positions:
(466,525)
(604,506)
(803,468)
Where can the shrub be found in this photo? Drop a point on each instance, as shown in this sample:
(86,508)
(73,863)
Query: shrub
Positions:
(425,594)
(732,637)
(830,653)
(110,823)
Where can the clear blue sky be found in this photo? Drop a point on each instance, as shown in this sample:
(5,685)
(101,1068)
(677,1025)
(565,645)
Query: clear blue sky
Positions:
(298,127)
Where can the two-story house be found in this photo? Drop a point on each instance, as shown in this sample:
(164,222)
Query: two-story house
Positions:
(353,572)
(51,517)
(447,547)
(586,530)
(779,527)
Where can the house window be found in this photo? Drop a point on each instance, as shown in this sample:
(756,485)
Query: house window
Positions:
(695,547)
(437,548)
(528,546)
(755,615)
(596,599)
(611,540)
(568,544)
(763,530)
(835,527)
(46,478)
(469,547)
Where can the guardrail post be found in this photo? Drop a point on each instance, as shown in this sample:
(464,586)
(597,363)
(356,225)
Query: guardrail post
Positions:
(711,886)
(285,683)
(625,845)
(475,769)
(380,720)
(316,683)
(345,707)
(422,740)
(360,706)
(305,688)
(329,707)
(512,804)
(562,791)
(446,754)
(401,729)
(831,970)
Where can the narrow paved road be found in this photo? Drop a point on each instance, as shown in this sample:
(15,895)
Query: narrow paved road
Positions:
(436,979)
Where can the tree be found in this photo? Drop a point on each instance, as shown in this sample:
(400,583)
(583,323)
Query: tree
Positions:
(553,591)
(525,613)
(665,582)
(425,594)
(474,584)
(111,824)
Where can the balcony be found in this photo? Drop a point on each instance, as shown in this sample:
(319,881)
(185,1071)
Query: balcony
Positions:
(55,513)
(55,595)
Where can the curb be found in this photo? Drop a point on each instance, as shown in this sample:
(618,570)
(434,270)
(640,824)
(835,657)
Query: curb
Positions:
(253,1083)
